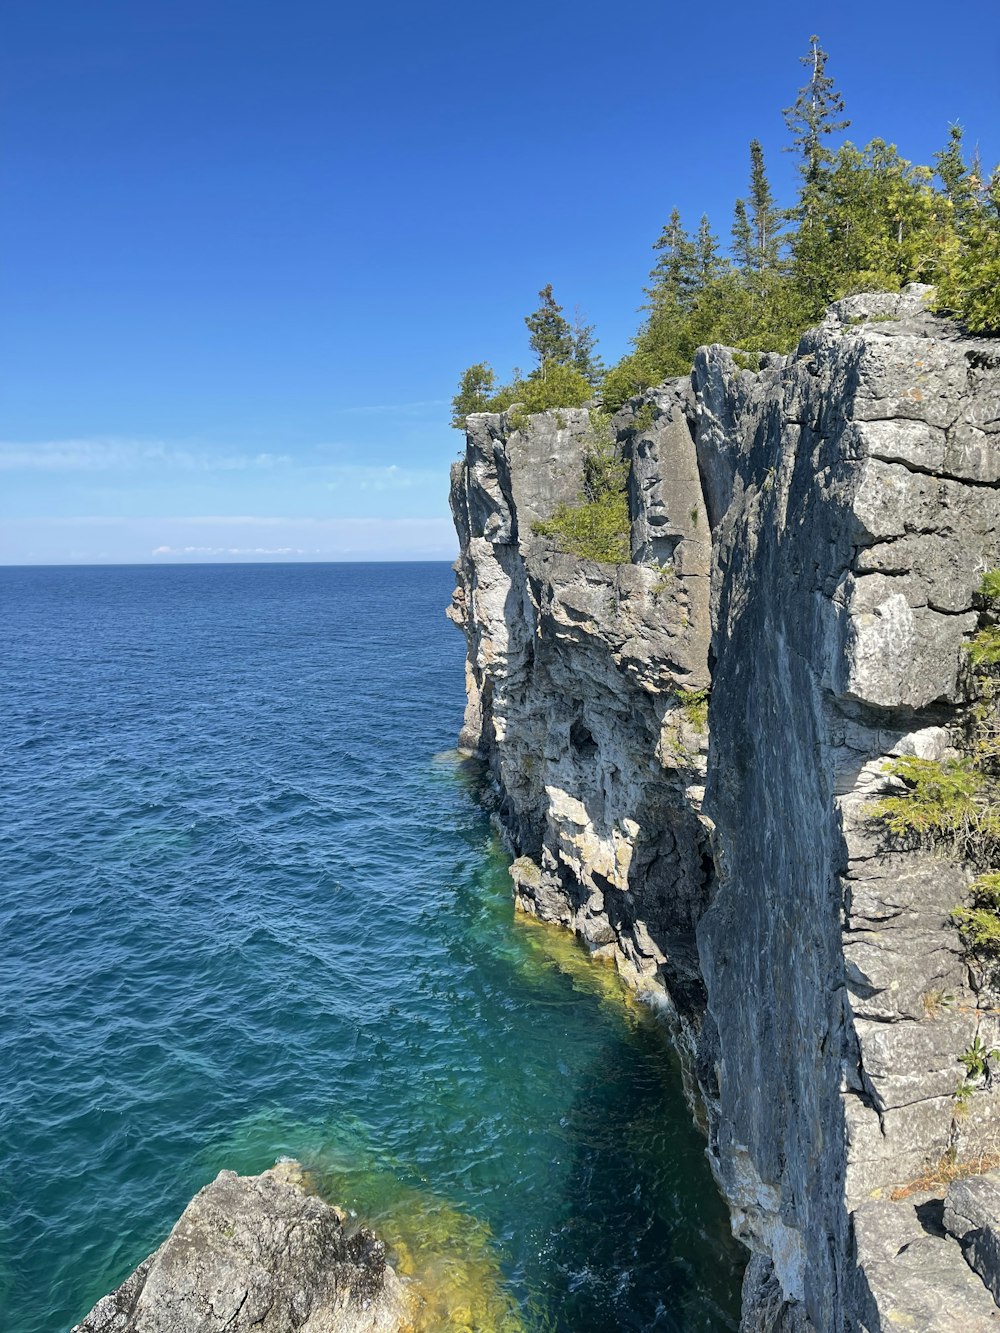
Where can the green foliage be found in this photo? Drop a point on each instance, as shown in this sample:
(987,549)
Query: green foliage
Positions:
(643,418)
(551,336)
(474,393)
(694,704)
(970,282)
(554,386)
(585,356)
(976,1059)
(597,526)
(865,219)
(814,115)
(980,921)
(939,800)
(984,646)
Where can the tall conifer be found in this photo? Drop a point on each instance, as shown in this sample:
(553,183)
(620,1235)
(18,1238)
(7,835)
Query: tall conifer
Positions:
(817,111)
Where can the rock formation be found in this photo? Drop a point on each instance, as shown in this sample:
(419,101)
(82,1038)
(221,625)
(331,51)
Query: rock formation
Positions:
(257,1253)
(808,538)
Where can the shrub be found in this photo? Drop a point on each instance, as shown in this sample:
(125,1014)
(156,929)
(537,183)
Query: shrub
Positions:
(980,922)
(694,704)
(984,646)
(939,800)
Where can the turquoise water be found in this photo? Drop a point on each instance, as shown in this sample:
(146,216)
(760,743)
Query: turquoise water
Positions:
(250,907)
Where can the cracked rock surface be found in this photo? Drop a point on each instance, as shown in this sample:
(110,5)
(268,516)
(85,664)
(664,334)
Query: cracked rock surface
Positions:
(257,1252)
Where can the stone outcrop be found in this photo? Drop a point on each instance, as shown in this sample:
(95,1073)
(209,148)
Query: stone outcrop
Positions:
(808,538)
(258,1253)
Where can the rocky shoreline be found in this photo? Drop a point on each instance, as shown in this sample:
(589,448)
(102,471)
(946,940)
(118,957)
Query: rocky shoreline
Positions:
(808,535)
(258,1253)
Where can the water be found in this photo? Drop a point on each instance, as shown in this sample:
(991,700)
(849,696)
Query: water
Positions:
(250,907)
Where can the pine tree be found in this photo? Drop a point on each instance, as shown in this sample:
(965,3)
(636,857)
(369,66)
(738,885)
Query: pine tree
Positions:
(960,182)
(674,276)
(585,358)
(706,246)
(814,115)
(742,246)
(551,336)
(474,390)
(764,215)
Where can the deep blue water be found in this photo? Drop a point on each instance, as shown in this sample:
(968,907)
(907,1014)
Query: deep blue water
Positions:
(250,907)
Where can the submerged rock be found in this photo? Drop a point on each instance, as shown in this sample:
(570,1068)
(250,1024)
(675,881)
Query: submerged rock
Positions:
(260,1253)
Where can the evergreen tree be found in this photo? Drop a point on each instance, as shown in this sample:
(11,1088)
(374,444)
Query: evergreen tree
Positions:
(551,336)
(706,248)
(960,182)
(765,217)
(674,276)
(586,359)
(742,235)
(474,390)
(972,287)
(812,116)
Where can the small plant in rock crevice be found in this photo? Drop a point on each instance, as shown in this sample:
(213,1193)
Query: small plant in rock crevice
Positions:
(694,705)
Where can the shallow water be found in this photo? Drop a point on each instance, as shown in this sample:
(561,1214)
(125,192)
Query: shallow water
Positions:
(250,907)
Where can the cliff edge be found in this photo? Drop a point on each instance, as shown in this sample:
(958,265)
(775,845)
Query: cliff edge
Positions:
(808,538)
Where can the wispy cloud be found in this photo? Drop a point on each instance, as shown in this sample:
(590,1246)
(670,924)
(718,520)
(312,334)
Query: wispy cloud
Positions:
(392,477)
(397,409)
(94,538)
(229,550)
(107,455)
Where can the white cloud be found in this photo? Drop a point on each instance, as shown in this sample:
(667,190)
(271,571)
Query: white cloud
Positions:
(103,455)
(138,540)
(229,550)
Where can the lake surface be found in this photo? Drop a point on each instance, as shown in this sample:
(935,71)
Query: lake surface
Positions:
(250,907)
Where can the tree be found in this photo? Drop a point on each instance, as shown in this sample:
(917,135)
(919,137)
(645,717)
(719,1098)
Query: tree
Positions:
(765,217)
(586,359)
(551,336)
(972,287)
(961,183)
(812,116)
(742,246)
(675,273)
(706,250)
(474,391)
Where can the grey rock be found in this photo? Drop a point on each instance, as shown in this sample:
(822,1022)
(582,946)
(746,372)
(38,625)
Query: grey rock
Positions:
(257,1253)
(913,1274)
(972,1216)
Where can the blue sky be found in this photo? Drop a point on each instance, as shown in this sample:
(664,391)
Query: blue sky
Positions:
(247,248)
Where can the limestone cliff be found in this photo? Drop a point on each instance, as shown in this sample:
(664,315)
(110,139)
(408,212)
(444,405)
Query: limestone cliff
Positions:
(808,537)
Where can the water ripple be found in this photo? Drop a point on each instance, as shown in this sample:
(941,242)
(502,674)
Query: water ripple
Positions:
(251,909)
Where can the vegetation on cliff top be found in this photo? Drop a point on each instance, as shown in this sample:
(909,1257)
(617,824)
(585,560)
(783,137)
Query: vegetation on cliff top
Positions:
(865,219)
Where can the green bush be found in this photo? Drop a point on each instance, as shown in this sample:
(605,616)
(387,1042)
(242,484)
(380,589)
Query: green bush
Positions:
(939,800)
(984,646)
(695,706)
(980,922)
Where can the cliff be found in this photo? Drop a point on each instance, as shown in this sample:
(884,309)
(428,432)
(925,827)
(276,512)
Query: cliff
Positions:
(808,537)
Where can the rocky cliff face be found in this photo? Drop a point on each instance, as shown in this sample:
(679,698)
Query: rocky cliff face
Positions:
(808,538)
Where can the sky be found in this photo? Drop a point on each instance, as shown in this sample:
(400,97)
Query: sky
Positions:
(247,248)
